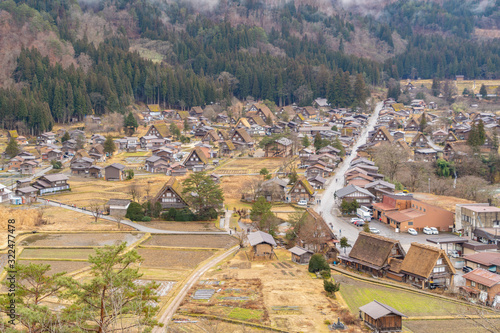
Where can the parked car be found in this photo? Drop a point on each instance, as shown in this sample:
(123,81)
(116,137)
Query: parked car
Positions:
(435,231)
(453,254)
(467,269)
(427,231)
(355,219)
(302,202)
(374,230)
(359,223)
(412,232)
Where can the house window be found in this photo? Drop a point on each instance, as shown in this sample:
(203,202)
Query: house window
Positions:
(439,269)
(439,261)
(410,223)
(472,283)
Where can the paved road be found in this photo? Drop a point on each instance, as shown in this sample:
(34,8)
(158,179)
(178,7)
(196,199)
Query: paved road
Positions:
(327,206)
(136,226)
(174,305)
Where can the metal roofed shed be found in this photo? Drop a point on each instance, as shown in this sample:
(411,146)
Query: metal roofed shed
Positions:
(262,245)
(300,255)
(381,317)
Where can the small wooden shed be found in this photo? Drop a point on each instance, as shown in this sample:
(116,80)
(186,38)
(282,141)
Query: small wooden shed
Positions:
(262,245)
(300,255)
(381,318)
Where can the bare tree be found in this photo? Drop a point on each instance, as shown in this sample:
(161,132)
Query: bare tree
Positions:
(471,187)
(96,210)
(252,187)
(135,191)
(389,159)
(413,174)
(312,234)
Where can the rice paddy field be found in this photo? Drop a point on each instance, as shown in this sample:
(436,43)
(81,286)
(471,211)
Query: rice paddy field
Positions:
(246,166)
(172,259)
(80,239)
(195,241)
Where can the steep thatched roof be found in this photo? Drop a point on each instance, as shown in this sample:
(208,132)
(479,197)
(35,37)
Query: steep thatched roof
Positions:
(421,260)
(174,186)
(373,249)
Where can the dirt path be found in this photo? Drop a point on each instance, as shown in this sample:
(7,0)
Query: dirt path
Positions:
(195,276)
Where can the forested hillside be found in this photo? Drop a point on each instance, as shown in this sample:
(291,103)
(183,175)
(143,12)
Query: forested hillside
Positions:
(201,52)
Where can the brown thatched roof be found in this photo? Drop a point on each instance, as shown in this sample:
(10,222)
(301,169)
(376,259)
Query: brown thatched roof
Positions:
(421,260)
(395,265)
(174,186)
(373,249)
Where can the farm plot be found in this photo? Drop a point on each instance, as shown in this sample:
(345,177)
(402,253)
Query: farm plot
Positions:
(245,166)
(84,239)
(455,326)
(163,289)
(57,253)
(180,226)
(172,259)
(198,241)
(57,266)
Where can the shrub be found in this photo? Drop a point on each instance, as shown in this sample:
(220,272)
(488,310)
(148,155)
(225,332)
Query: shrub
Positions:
(318,263)
(325,274)
(184,215)
(135,212)
(331,287)
(146,219)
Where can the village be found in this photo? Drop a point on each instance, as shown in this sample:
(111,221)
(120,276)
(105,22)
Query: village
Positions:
(296,182)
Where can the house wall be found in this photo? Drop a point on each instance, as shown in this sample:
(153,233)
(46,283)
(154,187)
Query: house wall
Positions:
(491,291)
(113,174)
(298,193)
(263,250)
(437,217)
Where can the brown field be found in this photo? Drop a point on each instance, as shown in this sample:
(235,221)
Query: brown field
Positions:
(283,283)
(180,226)
(87,190)
(199,241)
(475,85)
(93,239)
(59,266)
(233,186)
(172,259)
(207,325)
(442,201)
(455,326)
(57,253)
(249,165)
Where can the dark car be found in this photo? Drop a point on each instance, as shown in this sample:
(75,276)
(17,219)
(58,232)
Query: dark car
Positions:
(359,223)
(437,285)
(467,269)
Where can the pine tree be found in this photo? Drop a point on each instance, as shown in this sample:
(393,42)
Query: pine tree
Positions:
(423,122)
(130,122)
(109,145)
(481,133)
(305,141)
(65,137)
(12,148)
(360,91)
(483,91)
(435,87)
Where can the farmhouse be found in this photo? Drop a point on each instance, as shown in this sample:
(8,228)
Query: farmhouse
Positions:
(81,166)
(353,192)
(426,266)
(170,195)
(159,130)
(262,245)
(51,183)
(483,286)
(373,254)
(196,159)
(301,190)
(381,318)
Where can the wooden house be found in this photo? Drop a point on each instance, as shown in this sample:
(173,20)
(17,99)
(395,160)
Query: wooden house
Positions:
(282,147)
(381,318)
(309,112)
(301,190)
(420,141)
(97,153)
(114,171)
(262,245)
(241,139)
(170,195)
(353,192)
(27,193)
(318,169)
(12,134)
(226,147)
(427,266)
(482,286)
(195,158)
(373,254)
(81,166)
(300,255)
(412,125)
(95,171)
(196,111)
(28,167)
(450,137)
(274,190)
(51,183)
(156,164)
(439,136)
(176,169)
(382,134)
(52,155)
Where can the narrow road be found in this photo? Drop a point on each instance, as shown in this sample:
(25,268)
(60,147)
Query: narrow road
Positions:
(174,305)
(134,225)
(327,205)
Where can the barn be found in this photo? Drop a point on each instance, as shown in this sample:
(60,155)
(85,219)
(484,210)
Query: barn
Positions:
(381,318)
(262,245)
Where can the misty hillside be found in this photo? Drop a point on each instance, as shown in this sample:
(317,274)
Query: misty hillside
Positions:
(103,55)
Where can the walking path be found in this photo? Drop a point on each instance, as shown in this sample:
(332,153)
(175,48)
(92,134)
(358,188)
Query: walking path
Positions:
(195,276)
(134,225)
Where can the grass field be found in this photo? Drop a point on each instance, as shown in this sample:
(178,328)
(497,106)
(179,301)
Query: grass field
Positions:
(57,253)
(249,165)
(357,293)
(94,239)
(201,241)
(172,259)
(455,326)
(245,314)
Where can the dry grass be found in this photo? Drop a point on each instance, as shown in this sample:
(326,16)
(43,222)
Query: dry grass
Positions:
(57,253)
(198,241)
(172,259)
(86,190)
(80,239)
(455,326)
(249,165)
(474,85)
(181,226)
(58,266)
(442,201)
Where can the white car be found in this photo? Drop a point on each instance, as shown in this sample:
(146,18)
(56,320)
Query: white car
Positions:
(412,231)
(427,231)
(434,231)
(356,219)
(374,230)
(302,202)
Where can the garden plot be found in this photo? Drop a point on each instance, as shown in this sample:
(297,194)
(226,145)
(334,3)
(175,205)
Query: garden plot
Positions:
(172,259)
(163,289)
(57,266)
(198,241)
(83,239)
(244,166)
(82,254)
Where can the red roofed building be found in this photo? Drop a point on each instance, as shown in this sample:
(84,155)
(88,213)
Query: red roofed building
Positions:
(482,286)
